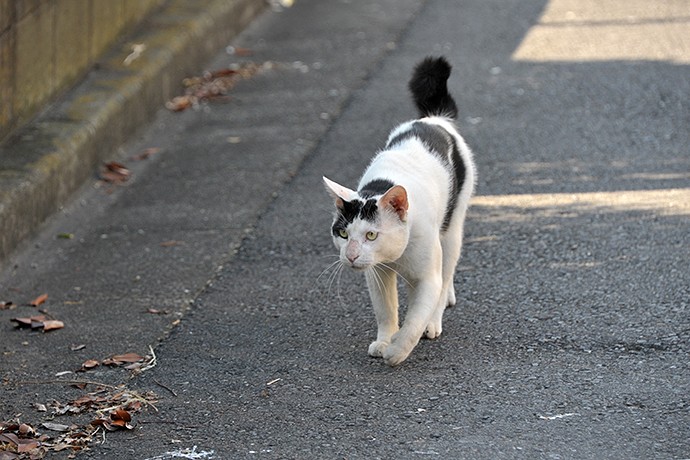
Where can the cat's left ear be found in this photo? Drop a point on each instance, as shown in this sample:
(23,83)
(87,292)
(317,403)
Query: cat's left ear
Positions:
(395,199)
(339,192)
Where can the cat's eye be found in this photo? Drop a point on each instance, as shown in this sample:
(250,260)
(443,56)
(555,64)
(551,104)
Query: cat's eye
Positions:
(342,233)
(371,236)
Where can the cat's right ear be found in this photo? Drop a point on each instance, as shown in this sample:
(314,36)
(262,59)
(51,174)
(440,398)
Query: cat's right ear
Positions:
(339,193)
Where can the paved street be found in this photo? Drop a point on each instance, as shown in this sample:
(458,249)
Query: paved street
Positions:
(571,336)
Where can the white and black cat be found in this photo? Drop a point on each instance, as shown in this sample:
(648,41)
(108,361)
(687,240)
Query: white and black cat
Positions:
(406,217)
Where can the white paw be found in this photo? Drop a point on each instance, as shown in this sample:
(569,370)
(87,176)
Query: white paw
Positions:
(396,354)
(433,330)
(399,349)
(377,348)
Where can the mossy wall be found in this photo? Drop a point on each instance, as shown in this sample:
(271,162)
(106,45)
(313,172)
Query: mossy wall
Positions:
(48,45)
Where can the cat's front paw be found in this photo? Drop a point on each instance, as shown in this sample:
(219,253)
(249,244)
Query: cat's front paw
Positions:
(395,354)
(377,348)
(433,330)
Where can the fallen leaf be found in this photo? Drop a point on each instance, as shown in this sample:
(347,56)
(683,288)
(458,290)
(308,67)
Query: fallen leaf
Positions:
(145,154)
(40,407)
(115,173)
(39,300)
(211,85)
(167,244)
(238,51)
(179,103)
(128,358)
(90,364)
(55,426)
(25,430)
(118,360)
(27,445)
(121,414)
(52,324)
(7,305)
(39,322)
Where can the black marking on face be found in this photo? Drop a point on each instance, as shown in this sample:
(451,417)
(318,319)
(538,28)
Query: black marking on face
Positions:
(369,210)
(376,187)
(352,210)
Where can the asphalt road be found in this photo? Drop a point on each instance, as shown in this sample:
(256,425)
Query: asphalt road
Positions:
(571,336)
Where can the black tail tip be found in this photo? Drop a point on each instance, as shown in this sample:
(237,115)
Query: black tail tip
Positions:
(437,68)
(429,88)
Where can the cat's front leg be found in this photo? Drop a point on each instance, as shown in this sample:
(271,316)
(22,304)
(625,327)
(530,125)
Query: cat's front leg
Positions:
(424,297)
(383,291)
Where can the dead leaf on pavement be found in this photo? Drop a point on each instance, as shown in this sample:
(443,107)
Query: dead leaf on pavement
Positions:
(119,419)
(38,322)
(52,324)
(211,85)
(39,300)
(145,154)
(52,426)
(7,305)
(115,173)
(171,243)
(90,364)
(118,360)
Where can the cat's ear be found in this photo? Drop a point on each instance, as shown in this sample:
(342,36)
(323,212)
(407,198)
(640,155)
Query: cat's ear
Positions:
(395,199)
(339,192)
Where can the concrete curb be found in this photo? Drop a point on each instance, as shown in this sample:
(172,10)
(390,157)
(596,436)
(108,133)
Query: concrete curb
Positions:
(46,161)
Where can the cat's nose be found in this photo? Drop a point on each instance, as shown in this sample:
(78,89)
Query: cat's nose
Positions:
(352,258)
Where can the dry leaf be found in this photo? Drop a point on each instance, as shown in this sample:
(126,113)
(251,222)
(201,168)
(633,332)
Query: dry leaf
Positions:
(25,430)
(145,154)
(52,324)
(90,364)
(118,360)
(40,407)
(128,358)
(115,173)
(167,244)
(39,322)
(7,305)
(211,85)
(39,300)
(179,103)
(55,426)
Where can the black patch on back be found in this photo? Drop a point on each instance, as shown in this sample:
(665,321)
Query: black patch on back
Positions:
(458,179)
(441,143)
(375,188)
(433,137)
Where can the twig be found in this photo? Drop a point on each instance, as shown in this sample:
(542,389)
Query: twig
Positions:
(68,382)
(151,364)
(166,387)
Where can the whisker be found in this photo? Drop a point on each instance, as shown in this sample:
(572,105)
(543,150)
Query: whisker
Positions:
(396,272)
(327,269)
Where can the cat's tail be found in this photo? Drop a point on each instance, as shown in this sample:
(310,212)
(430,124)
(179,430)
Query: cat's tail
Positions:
(429,89)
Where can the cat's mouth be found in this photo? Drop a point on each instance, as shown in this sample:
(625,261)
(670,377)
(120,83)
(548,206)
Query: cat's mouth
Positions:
(359,267)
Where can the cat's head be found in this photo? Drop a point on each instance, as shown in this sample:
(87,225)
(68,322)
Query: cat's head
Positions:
(370,226)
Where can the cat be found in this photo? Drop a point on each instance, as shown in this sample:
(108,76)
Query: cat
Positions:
(407,215)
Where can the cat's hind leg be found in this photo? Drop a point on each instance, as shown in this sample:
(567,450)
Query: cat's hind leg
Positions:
(383,290)
(451,244)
